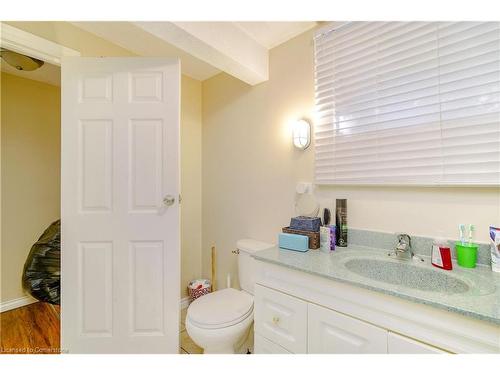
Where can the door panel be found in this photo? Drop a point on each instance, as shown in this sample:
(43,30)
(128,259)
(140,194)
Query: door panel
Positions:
(146,164)
(95,145)
(147,287)
(330,332)
(95,288)
(120,243)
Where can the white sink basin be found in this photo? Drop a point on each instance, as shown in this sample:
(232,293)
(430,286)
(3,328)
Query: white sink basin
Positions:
(407,274)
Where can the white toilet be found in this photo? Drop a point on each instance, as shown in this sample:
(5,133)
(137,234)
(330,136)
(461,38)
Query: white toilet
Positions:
(219,322)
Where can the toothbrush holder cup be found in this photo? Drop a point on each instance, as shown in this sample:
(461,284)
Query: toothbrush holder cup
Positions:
(466,254)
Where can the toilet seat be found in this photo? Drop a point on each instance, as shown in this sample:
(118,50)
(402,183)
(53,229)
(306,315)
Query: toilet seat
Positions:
(220,309)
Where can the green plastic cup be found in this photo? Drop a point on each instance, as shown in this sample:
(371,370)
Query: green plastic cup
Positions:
(466,254)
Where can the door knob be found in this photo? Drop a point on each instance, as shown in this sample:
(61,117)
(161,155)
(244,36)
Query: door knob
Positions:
(168,200)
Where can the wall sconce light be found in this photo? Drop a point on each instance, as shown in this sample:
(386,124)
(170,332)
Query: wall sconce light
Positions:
(301,133)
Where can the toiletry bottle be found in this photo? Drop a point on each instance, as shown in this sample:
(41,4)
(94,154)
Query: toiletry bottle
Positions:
(441,254)
(324,239)
(495,248)
(327,238)
(341,222)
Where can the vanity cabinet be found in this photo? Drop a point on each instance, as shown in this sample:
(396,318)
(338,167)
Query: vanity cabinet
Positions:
(332,332)
(299,312)
(397,344)
(285,324)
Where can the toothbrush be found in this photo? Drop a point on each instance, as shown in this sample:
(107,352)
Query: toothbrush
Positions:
(461,229)
(472,228)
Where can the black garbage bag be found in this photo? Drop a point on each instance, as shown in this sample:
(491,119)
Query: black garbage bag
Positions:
(42,270)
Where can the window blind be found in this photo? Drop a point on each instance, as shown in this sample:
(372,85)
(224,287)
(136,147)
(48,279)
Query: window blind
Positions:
(414,103)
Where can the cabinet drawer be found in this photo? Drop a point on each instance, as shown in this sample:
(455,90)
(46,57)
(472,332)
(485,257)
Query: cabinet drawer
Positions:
(265,346)
(335,333)
(281,319)
(398,344)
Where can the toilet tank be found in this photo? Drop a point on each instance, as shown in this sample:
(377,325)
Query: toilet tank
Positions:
(246,264)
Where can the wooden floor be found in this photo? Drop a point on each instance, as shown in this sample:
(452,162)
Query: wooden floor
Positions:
(32,329)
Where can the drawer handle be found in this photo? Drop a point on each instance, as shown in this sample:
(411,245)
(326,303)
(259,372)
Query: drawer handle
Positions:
(276,319)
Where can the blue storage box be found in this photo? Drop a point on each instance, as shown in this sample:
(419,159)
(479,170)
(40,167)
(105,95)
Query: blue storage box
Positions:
(311,224)
(295,242)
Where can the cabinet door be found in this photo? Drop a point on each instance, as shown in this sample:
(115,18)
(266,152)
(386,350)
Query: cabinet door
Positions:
(264,346)
(398,344)
(334,333)
(281,319)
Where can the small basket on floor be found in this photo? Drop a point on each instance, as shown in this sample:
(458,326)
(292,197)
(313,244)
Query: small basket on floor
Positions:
(198,288)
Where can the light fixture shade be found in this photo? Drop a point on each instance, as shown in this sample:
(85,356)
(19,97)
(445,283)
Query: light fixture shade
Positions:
(20,61)
(301,134)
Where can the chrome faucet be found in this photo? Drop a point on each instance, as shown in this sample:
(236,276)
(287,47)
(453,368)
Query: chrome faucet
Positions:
(403,248)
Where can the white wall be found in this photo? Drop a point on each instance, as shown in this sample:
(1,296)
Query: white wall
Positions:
(190,181)
(30,172)
(422,211)
(249,164)
(250,168)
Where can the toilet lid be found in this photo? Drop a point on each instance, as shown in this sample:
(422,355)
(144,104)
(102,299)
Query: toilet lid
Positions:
(222,308)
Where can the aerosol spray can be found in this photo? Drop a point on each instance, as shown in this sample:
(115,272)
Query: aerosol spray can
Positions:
(341,222)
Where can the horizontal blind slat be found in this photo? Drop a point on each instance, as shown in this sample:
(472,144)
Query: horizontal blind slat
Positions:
(408,103)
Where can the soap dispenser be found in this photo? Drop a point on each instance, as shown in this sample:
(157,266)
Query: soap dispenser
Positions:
(441,254)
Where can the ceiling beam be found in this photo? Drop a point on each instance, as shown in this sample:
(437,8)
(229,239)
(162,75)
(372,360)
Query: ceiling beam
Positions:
(220,44)
(142,43)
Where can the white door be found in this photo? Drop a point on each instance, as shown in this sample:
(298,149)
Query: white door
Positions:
(398,344)
(120,241)
(330,332)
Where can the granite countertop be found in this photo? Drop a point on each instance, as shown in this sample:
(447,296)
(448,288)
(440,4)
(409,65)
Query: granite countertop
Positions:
(472,292)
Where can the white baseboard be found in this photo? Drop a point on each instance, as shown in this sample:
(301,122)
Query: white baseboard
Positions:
(184,302)
(16,302)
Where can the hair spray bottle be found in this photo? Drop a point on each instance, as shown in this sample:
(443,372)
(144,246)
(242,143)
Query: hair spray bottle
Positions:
(341,222)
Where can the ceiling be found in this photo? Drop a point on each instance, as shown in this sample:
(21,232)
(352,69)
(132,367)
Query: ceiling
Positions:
(272,34)
(47,73)
(243,52)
